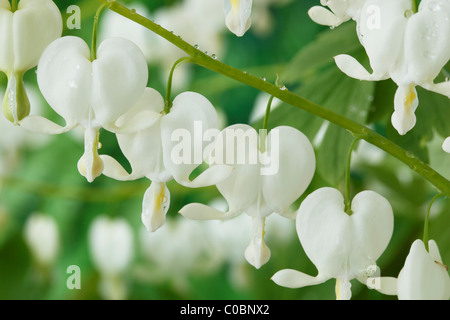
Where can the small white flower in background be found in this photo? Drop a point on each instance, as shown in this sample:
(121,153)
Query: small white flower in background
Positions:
(237,15)
(411,49)
(152,152)
(446,145)
(423,276)
(180,249)
(91,94)
(24,34)
(341,246)
(341,11)
(111,246)
(42,237)
(248,190)
(263,21)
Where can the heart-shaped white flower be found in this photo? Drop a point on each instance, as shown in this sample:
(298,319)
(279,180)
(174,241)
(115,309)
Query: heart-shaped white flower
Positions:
(340,245)
(24,34)
(91,94)
(411,49)
(256,191)
(154,152)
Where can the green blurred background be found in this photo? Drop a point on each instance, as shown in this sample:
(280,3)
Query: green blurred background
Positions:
(39,173)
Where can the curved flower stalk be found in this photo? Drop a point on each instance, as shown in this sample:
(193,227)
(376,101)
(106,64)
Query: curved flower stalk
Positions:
(237,15)
(446,145)
(341,246)
(172,148)
(91,94)
(25,32)
(341,11)
(252,189)
(111,246)
(411,49)
(423,276)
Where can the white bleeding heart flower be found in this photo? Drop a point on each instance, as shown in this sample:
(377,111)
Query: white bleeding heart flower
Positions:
(111,247)
(270,173)
(237,15)
(25,32)
(446,145)
(411,49)
(341,246)
(341,11)
(90,94)
(155,152)
(423,276)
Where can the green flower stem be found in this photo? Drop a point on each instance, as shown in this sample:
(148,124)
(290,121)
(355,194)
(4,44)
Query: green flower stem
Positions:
(415,6)
(168,100)
(427,218)
(94,32)
(358,130)
(347,200)
(14,5)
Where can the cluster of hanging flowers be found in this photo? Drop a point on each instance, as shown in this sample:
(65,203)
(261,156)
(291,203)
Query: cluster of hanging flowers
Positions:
(406,44)
(258,173)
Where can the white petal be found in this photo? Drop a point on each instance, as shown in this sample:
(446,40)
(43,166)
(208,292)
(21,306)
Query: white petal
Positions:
(120,75)
(36,24)
(325,17)
(64,78)
(446,145)
(343,289)
(385,285)
(240,143)
(90,164)
(182,134)
(198,211)
(421,278)
(381,26)
(291,168)
(6,38)
(237,13)
(295,279)
(143,149)
(427,44)
(113,169)
(405,104)
(155,206)
(373,224)
(43,125)
(257,253)
(351,67)
(325,232)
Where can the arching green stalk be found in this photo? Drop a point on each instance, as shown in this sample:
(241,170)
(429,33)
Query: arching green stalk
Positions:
(356,129)
(168,100)
(427,218)
(94,32)
(347,200)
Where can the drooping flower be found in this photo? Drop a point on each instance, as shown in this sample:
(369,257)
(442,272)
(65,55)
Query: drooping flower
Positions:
(423,276)
(172,148)
(446,145)
(341,246)
(25,32)
(111,246)
(411,49)
(41,234)
(341,11)
(270,173)
(90,94)
(237,15)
